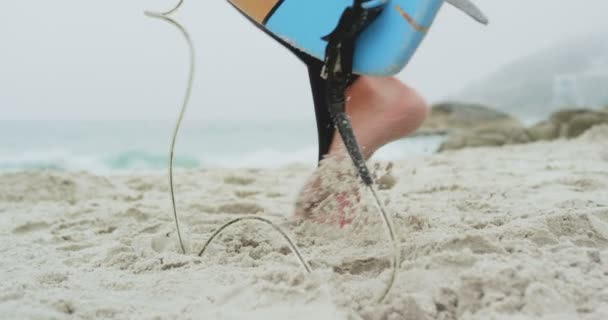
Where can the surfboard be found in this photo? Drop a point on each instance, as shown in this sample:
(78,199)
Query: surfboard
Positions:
(384,47)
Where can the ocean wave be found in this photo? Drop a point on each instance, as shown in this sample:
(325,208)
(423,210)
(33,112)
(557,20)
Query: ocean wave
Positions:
(140,160)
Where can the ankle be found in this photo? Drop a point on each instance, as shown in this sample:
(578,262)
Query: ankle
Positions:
(381,110)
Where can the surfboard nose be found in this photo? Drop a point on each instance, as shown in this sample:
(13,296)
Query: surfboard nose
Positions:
(470,9)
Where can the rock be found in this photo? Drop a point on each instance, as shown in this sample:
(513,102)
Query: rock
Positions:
(563,116)
(562,124)
(450,116)
(568,124)
(487,136)
(545,130)
(453,143)
(584,121)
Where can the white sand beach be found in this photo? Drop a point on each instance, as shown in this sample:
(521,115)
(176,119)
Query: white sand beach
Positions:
(518,232)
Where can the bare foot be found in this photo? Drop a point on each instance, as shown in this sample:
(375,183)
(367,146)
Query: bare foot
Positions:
(331,194)
(381,110)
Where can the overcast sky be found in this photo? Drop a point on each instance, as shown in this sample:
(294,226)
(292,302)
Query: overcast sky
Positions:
(75,59)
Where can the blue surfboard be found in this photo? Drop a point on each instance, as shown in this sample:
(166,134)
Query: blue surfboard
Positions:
(384,47)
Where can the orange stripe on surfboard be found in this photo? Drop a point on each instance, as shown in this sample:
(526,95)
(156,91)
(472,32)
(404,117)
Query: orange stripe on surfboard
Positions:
(411,20)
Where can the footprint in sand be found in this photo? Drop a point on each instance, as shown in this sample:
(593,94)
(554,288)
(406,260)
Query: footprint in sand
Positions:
(151,228)
(246,193)
(116,284)
(239,181)
(478,244)
(581,184)
(121,257)
(274,195)
(30,227)
(362,266)
(64,306)
(568,224)
(107,230)
(240,208)
(12,295)
(174,265)
(78,225)
(140,185)
(75,247)
(136,214)
(53,279)
(107,313)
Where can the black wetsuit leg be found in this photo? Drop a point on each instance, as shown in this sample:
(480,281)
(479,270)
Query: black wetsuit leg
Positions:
(326,128)
(325,125)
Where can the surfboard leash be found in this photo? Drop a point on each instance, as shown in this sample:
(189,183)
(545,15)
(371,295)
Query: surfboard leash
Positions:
(165,16)
(338,71)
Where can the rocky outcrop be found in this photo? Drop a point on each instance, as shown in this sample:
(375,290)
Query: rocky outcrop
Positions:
(568,124)
(452,117)
(486,136)
(562,124)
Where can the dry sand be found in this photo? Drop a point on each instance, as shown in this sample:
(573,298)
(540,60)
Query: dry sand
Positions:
(519,232)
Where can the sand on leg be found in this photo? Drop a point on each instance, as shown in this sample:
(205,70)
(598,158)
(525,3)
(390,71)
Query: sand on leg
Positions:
(381,110)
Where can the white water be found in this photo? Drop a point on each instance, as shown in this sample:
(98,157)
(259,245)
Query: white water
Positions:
(106,147)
